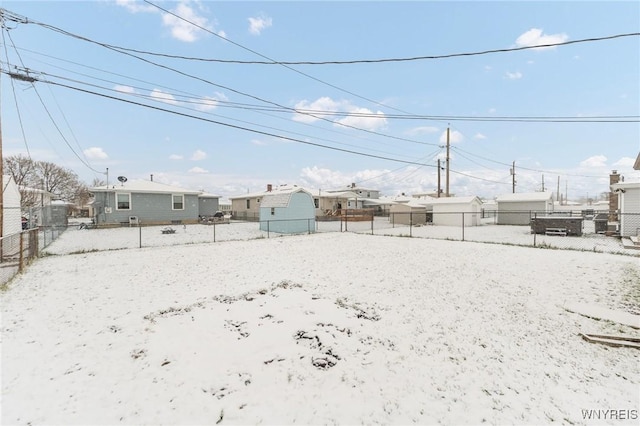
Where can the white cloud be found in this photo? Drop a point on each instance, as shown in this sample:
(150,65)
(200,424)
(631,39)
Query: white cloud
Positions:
(259,24)
(422,130)
(258,142)
(135,6)
(370,121)
(323,104)
(180,28)
(364,119)
(95,153)
(209,103)
(163,97)
(479,136)
(624,163)
(454,137)
(198,170)
(492,110)
(594,161)
(198,155)
(175,157)
(514,75)
(535,37)
(124,89)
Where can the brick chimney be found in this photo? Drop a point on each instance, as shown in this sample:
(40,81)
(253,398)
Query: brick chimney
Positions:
(614,177)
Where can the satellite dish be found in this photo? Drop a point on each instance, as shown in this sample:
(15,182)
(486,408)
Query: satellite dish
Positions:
(122,179)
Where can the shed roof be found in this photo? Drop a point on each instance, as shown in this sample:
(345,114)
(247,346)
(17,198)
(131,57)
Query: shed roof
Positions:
(280,198)
(146,186)
(524,196)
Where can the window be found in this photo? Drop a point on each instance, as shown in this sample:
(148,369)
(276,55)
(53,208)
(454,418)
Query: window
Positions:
(178,202)
(316,203)
(273,211)
(123,201)
(248,204)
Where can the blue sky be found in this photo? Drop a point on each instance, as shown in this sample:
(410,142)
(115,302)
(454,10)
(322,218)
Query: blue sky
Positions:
(230,127)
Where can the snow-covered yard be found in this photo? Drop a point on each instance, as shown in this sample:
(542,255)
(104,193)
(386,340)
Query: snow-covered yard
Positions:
(336,328)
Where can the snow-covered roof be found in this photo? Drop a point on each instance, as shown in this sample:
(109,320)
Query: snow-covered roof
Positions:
(289,188)
(146,186)
(625,185)
(280,198)
(451,200)
(207,195)
(525,196)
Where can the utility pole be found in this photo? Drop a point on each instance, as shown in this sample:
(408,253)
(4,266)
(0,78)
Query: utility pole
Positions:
(439,190)
(513,177)
(2,180)
(558,191)
(543,183)
(447,177)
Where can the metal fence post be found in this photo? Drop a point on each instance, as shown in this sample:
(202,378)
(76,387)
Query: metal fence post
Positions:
(140,233)
(371,223)
(462,226)
(21,264)
(411,224)
(267,229)
(309,226)
(214,232)
(534,228)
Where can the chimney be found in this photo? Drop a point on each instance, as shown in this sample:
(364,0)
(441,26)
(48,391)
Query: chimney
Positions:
(353,185)
(614,177)
(151,177)
(269,187)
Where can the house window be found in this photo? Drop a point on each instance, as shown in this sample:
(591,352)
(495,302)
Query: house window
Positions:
(178,202)
(273,211)
(316,203)
(248,204)
(123,201)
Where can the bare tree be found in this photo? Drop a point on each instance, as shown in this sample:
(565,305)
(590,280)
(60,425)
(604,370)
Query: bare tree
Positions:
(34,176)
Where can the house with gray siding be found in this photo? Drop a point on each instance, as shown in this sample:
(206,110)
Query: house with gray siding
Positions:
(208,204)
(288,212)
(145,202)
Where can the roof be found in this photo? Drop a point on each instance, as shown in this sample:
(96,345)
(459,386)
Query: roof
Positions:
(636,165)
(451,200)
(625,185)
(208,195)
(289,188)
(525,196)
(280,198)
(145,186)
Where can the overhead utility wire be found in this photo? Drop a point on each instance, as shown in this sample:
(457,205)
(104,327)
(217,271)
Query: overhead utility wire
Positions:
(524,168)
(151,98)
(15,99)
(234,126)
(225,87)
(372,61)
(273,61)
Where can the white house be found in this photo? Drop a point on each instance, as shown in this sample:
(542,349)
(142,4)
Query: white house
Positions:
(628,207)
(455,211)
(11,212)
(519,208)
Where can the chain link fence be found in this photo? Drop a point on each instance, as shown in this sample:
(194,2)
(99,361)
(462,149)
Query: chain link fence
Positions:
(41,226)
(571,231)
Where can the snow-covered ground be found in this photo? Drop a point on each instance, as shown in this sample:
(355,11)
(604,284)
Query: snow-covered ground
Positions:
(338,328)
(119,238)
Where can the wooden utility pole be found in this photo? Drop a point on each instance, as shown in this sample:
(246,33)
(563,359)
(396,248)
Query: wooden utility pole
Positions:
(1,178)
(513,177)
(439,190)
(542,183)
(447,177)
(558,191)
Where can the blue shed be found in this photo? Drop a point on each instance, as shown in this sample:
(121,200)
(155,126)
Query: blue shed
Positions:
(288,211)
